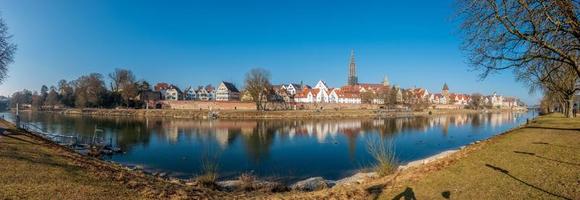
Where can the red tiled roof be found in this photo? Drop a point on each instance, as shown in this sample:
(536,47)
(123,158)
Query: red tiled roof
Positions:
(303,93)
(347,94)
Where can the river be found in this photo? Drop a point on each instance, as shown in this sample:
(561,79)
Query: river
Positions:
(286,150)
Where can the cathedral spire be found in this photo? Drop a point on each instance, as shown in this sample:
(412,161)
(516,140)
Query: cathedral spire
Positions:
(352,78)
(385,81)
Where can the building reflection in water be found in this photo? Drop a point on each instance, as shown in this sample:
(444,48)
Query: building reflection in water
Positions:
(258,136)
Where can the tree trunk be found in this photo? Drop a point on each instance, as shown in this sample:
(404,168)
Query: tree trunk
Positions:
(570,107)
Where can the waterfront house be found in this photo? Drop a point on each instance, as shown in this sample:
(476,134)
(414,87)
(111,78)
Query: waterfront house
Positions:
(341,96)
(494,100)
(161,87)
(173,93)
(510,102)
(202,94)
(459,99)
(305,96)
(190,94)
(294,88)
(321,95)
(227,92)
(437,98)
(210,92)
(418,95)
(321,85)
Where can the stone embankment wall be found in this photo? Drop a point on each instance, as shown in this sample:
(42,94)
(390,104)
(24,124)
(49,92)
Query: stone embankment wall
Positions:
(334,106)
(209,105)
(238,105)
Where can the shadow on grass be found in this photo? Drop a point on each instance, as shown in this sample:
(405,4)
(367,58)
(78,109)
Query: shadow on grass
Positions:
(552,128)
(556,145)
(375,191)
(542,157)
(16,138)
(507,173)
(37,161)
(408,194)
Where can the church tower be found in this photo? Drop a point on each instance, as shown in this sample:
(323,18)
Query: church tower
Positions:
(445,91)
(352,78)
(385,81)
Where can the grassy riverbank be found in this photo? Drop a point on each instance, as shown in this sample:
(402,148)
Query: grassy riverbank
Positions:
(252,114)
(32,168)
(540,161)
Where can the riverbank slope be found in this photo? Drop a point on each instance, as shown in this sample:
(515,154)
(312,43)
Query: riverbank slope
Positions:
(538,161)
(33,168)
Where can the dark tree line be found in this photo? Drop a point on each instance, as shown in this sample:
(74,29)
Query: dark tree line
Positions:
(87,91)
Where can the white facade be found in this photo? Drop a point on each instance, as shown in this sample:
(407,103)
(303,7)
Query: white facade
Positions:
(227,92)
(291,89)
(321,85)
(203,95)
(190,94)
(171,94)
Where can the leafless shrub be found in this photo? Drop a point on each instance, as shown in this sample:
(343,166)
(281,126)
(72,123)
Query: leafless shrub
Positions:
(383,153)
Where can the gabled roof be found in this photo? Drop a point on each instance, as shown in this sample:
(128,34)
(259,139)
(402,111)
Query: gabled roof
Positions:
(346,94)
(209,88)
(161,86)
(230,86)
(302,94)
(174,87)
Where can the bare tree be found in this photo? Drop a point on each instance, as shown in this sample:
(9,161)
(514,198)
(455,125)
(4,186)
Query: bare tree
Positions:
(52,97)
(21,97)
(558,82)
(7,50)
(257,85)
(124,84)
(512,33)
(121,77)
(89,90)
(476,101)
(66,92)
(367,97)
(538,39)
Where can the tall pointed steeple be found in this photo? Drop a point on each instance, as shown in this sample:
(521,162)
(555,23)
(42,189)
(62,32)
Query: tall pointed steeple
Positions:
(385,81)
(445,90)
(352,78)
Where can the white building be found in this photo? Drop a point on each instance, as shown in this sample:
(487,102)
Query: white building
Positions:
(227,92)
(190,94)
(173,93)
(339,96)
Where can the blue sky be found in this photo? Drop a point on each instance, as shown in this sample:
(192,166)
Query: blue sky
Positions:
(414,43)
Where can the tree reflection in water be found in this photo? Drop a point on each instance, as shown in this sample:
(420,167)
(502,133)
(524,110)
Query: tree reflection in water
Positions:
(256,138)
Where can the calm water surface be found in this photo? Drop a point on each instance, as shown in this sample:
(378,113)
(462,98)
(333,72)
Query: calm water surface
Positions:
(290,149)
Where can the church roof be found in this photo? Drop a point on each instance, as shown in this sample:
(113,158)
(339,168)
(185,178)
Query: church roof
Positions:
(445,87)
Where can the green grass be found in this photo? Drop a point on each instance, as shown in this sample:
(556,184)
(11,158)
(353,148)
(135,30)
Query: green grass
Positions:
(541,161)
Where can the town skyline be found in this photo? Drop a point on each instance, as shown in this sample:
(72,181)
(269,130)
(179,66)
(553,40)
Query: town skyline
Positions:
(426,56)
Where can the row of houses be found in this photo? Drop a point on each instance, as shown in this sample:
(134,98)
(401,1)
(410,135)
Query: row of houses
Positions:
(355,94)
(350,94)
(226,91)
(322,93)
